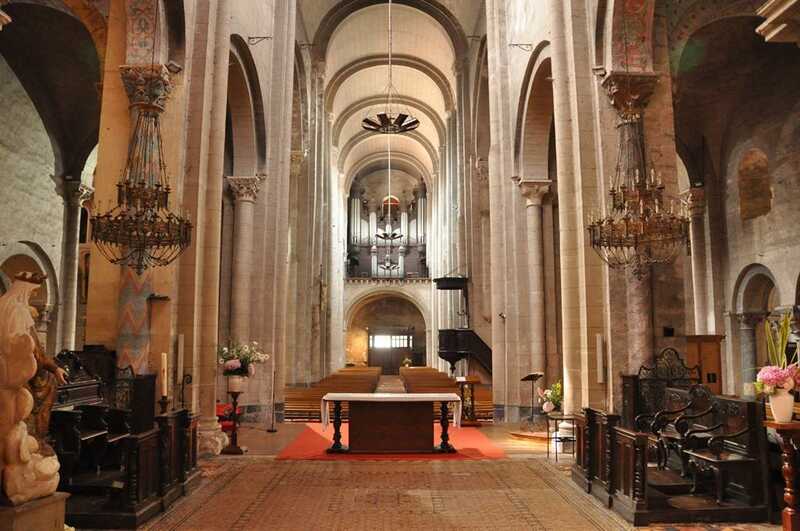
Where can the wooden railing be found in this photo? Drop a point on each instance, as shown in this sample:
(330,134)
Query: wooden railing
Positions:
(611,463)
(628,463)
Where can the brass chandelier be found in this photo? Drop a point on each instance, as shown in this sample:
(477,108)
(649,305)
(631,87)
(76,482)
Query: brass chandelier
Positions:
(141,232)
(386,118)
(641,227)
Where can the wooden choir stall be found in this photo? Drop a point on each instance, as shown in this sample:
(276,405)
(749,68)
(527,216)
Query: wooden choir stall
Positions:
(679,452)
(121,463)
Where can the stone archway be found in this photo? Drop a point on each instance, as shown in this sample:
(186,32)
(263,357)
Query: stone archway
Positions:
(384,330)
(756,296)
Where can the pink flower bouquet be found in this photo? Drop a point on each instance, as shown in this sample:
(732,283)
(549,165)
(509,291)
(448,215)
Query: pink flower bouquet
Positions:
(772,377)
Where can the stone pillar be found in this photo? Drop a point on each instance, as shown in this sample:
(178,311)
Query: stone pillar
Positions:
(534,191)
(629,94)
(640,320)
(747,349)
(567,194)
(245,193)
(75,194)
(697,210)
(211,437)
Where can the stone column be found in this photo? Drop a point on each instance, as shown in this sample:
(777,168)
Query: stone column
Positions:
(640,320)
(75,194)
(211,438)
(534,191)
(245,193)
(629,94)
(697,209)
(747,349)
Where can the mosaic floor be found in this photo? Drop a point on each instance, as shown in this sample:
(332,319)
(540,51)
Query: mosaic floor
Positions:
(524,492)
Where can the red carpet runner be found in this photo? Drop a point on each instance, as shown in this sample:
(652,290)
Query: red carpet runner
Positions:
(312,442)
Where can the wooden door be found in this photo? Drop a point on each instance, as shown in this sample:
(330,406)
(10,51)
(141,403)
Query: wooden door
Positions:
(705,351)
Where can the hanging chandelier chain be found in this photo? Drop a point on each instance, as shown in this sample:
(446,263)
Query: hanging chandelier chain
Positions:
(141,232)
(636,231)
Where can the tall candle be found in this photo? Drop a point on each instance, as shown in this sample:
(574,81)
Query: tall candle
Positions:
(163,374)
(179,376)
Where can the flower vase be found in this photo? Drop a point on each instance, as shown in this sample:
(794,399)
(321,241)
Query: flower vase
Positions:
(547,407)
(782,404)
(235,384)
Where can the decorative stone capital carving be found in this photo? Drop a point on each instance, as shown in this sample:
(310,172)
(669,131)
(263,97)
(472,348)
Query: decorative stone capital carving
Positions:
(630,92)
(76,193)
(696,198)
(245,188)
(534,190)
(749,320)
(782,22)
(148,86)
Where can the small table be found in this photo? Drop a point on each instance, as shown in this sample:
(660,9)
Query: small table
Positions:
(790,439)
(554,435)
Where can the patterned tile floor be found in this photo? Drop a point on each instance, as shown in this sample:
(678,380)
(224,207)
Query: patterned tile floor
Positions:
(525,491)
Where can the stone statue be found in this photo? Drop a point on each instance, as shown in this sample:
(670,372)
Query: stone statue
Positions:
(26,473)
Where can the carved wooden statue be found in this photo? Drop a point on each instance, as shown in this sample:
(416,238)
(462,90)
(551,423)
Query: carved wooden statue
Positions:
(26,473)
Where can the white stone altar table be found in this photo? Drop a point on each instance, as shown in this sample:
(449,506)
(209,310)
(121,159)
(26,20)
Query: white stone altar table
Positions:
(390,422)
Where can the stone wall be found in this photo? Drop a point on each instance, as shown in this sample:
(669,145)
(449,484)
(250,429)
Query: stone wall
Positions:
(32,209)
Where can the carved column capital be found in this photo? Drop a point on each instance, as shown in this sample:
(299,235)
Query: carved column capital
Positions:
(534,190)
(696,198)
(148,86)
(749,320)
(630,92)
(245,188)
(77,193)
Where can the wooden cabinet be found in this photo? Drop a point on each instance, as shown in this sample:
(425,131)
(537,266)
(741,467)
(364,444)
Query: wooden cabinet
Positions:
(705,352)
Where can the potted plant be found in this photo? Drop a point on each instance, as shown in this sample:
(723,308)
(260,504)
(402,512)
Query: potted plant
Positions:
(551,397)
(777,379)
(238,362)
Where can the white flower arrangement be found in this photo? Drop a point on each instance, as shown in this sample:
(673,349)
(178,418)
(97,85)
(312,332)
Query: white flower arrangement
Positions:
(239,359)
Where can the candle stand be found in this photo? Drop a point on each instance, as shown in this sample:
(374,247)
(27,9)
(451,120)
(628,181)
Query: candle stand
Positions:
(233,448)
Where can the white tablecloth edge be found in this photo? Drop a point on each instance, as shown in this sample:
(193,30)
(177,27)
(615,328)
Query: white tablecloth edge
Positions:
(451,398)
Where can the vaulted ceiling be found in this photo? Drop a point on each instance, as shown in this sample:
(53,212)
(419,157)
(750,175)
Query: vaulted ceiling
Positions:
(351,36)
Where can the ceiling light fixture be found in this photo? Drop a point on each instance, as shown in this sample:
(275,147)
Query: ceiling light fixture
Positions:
(386,119)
